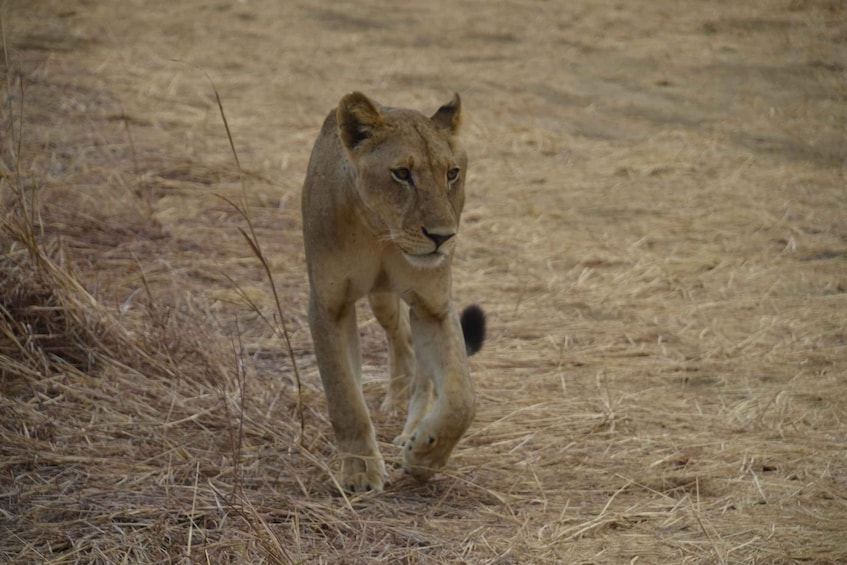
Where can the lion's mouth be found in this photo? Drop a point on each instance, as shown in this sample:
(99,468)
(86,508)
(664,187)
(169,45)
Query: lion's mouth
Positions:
(425,260)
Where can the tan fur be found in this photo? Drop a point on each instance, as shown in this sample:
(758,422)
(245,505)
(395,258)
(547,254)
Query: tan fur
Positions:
(370,231)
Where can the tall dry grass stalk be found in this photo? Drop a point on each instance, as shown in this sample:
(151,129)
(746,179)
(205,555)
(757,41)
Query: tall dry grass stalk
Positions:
(252,240)
(99,409)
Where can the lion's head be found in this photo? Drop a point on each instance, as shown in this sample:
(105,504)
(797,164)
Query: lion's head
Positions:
(410,174)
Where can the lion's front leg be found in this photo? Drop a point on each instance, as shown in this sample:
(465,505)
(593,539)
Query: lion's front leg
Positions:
(442,360)
(336,340)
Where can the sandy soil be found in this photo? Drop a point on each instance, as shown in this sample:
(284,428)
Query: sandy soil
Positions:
(656,222)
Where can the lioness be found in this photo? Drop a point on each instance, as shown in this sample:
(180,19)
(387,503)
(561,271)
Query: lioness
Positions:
(381,205)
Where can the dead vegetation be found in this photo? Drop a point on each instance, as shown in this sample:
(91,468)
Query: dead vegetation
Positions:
(659,235)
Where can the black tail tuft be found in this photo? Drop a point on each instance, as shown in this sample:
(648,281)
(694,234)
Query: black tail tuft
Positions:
(473,326)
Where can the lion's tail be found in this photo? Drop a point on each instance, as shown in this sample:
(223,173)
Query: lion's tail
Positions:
(473,327)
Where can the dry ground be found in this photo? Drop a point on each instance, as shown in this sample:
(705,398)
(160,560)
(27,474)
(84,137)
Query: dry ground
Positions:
(656,223)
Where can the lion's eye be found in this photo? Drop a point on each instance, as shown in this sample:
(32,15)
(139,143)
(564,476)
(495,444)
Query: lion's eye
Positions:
(452,174)
(402,174)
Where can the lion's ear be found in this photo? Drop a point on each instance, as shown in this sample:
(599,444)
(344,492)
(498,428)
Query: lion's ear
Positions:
(449,116)
(358,118)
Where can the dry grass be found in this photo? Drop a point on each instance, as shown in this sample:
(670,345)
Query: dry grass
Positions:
(659,236)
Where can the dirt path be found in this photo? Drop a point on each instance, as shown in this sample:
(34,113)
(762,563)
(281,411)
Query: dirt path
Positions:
(656,223)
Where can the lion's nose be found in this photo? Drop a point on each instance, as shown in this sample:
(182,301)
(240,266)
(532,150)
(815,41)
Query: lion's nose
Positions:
(437,238)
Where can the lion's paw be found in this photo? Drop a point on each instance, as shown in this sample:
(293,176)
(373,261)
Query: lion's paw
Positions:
(362,474)
(424,455)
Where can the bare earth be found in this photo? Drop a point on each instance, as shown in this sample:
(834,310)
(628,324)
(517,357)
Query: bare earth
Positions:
(656,223)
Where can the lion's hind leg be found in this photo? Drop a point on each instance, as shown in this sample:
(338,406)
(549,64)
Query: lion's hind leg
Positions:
(393,315)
